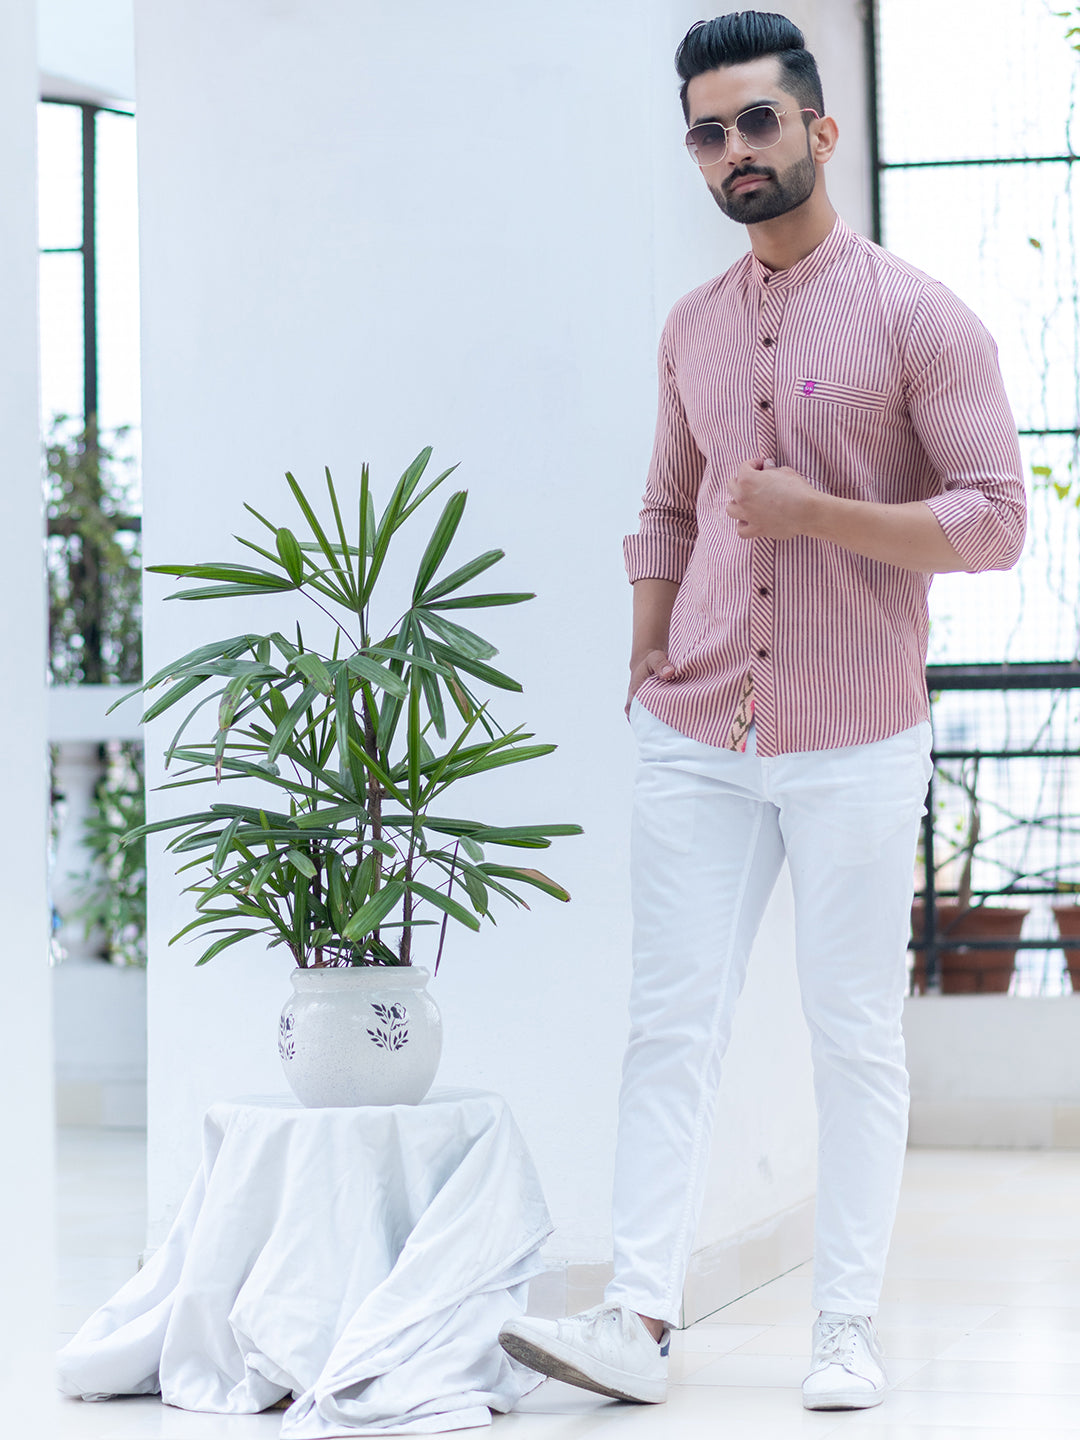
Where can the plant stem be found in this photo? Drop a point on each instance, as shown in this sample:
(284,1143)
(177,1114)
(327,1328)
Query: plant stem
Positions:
(405,948)
(330,616)
(963,898)
(374,800)
(316,889)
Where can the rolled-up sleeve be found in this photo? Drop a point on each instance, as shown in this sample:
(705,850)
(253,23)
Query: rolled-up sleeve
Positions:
(962,417)
(667,531)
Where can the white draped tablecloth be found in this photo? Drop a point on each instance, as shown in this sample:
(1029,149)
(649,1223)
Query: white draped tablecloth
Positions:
(360,1260)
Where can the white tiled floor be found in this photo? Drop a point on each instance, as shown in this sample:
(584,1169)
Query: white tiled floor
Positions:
(980,1319)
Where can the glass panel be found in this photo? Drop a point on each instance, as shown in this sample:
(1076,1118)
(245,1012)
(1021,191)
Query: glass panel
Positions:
(61,335)
(1033,611)
(59,175)
(969,78)
(1003,238)
(117,273)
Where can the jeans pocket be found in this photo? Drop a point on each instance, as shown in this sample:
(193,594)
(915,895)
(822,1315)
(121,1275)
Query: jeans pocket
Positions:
(665,810)
(858,798)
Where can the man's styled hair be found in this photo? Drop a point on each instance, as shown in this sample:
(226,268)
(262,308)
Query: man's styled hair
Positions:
(749,35)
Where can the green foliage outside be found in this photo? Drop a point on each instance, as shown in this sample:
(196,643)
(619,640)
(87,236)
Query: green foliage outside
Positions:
(113,898)
(93,558)
(94,570)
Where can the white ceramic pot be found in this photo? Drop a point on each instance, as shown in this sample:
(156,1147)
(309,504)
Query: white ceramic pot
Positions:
(360,1035)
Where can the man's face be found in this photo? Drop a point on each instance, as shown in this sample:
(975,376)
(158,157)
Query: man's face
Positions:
(752,186)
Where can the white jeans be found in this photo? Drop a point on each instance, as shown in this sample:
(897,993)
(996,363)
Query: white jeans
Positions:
(710,831)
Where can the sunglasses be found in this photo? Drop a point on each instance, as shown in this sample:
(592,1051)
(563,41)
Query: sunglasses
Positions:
(758,128)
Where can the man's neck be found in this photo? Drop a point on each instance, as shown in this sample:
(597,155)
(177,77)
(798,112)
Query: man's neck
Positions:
(783,242)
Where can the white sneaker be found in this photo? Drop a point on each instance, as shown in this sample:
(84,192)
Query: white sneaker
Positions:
(847,1371)
(607,1349)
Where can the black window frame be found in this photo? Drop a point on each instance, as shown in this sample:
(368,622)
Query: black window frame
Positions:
(88,248)
(879,166)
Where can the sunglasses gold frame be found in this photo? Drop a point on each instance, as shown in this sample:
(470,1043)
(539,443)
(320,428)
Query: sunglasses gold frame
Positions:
(727,129)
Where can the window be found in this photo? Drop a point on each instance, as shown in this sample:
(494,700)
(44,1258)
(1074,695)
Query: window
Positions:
(89,263)
(976,177)
(90,376)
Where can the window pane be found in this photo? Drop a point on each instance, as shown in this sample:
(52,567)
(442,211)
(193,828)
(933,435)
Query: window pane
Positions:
(973,229)
(61,335)
(117,272)
(59,175)
(962,79)
(1033,611)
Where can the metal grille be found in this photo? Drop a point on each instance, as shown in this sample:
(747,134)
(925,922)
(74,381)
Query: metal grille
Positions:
(1004,805)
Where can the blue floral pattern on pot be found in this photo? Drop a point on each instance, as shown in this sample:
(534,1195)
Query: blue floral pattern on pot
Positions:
(286,1045)
(363,1035)
(393,1033)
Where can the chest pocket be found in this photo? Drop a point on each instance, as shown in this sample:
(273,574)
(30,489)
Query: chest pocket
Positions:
(832,425)
(826,397)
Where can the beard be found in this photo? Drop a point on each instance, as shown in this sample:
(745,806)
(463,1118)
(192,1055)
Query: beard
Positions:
(778,195)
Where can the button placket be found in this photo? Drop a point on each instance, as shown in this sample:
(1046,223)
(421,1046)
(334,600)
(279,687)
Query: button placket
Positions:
(763,551)
(764,370)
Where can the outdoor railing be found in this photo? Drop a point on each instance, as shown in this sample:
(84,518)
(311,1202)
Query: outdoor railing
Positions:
(1002,823)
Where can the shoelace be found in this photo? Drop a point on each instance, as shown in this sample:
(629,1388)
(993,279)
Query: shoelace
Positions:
(600,1317)
(836,1343)
(603,1316)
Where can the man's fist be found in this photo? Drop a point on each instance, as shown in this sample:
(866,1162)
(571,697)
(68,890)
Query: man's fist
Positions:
(777,503)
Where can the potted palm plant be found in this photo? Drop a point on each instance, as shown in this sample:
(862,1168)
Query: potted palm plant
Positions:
(338,845)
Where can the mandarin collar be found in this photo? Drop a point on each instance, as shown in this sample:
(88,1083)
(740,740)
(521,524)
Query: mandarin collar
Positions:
(809,267)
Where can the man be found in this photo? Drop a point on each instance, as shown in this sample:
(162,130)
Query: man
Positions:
(832,432)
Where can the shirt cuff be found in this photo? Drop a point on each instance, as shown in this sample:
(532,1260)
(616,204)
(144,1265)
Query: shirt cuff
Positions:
(979,531)
(656,557)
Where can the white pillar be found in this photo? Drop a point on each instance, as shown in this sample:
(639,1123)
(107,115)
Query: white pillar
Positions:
(366,229)
(26,1226)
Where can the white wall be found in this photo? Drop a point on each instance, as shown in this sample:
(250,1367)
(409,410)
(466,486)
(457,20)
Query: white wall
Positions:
(994,1070)
(99,1042)
(26,1231)
(834,31)
(368,228)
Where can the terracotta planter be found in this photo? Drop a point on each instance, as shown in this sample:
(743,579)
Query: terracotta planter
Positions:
(969,971)
(1068,923)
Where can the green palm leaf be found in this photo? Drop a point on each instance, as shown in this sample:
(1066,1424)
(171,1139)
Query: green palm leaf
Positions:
(377,908)
(444,903)
(333,744)
(441,539)
(461,576)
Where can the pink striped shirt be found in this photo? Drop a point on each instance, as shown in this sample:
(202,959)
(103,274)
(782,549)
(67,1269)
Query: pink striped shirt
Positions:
(873,382)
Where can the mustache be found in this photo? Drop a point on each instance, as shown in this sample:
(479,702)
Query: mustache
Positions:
(746,172)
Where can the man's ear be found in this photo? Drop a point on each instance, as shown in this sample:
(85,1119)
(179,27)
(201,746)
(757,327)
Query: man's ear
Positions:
(823,138)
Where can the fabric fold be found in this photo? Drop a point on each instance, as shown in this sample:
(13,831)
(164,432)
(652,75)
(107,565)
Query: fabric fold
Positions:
(360,1260)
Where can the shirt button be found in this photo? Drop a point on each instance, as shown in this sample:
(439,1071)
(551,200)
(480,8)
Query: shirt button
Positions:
(763,590)
(764,404)
(762,654)
(767,340)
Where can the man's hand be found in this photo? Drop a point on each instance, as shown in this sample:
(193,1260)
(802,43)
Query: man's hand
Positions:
(779,504)
(775,503)
(655,663)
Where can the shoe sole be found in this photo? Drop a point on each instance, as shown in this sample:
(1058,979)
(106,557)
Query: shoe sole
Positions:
(843,1400)
(558,1363)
